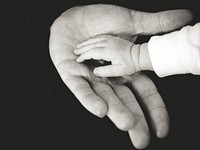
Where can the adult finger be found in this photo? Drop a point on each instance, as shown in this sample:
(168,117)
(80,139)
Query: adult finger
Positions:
(117,112)
(153,103)
(164,21)
(82,89)
(139,134)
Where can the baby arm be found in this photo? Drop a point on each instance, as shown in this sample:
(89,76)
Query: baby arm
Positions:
(125,57)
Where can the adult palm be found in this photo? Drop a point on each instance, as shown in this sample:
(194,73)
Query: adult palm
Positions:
(113,96)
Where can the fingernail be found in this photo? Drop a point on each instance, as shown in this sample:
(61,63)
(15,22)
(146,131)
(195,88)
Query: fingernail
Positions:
(75,50)
(78,59)
(78,45)
(96,72)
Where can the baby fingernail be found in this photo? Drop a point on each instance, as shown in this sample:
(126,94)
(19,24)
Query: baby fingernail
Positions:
(75,51)
(78,59)
(96,72)
(78,45)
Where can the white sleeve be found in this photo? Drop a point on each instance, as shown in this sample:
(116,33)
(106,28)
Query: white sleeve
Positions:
(177,52)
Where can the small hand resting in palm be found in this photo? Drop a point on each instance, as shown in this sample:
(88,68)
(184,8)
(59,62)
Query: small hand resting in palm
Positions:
(126,58)
(175,53)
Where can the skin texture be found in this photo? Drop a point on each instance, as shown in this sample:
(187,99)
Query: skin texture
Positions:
(112,97)
(125,57)
(121,54)
(113,49)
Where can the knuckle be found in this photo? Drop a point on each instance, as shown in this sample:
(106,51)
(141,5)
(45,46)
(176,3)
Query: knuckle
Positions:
(148,93)
(128,99)
(161,23)
(105,92)
(87,95)
(80,87)
(158,109)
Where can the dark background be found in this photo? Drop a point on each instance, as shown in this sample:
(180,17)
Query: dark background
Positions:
(40,111)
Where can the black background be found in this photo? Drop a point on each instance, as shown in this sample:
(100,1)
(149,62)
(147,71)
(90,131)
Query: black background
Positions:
(40,111)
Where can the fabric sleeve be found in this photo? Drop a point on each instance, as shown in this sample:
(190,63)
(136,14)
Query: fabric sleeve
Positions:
(177,52)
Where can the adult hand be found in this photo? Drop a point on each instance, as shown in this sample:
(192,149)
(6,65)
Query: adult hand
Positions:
(105,96)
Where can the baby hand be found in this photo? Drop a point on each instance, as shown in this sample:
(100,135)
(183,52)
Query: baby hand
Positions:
(108,48)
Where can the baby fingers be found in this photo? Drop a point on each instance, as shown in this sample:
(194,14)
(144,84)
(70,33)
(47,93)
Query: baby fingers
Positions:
(92,46)
(96,39)
(96,53)
(108,71)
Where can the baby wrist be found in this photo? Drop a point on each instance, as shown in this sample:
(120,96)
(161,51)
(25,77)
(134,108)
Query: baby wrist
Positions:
(140,57)
(135,57)
(144,58)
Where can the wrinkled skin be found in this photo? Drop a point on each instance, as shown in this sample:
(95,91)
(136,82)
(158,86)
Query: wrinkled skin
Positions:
(112,96)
